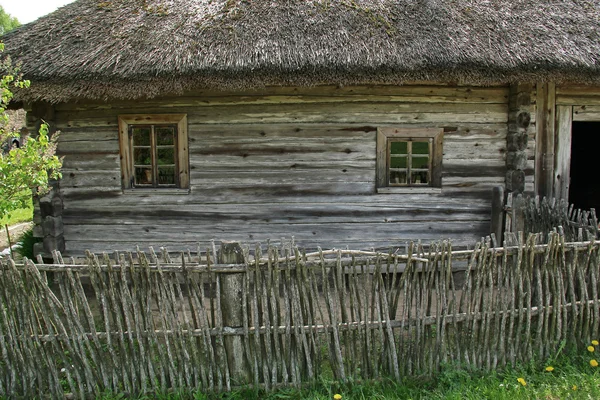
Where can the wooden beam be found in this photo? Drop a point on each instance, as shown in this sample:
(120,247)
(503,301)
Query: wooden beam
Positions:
(544,153)
(562,164)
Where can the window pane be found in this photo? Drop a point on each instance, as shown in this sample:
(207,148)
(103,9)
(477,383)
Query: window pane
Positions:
(142,156)
(398,162)
(420,147)
(399,148)
(165,135)
(398,178)
(141,136)
(143,176)
(420,177)
(166,175)
(420,162)
(166,156)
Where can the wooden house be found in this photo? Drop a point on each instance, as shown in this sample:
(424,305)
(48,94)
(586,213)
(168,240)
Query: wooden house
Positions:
(361,123)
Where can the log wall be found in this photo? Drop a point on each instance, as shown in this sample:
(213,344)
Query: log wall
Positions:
(287,161)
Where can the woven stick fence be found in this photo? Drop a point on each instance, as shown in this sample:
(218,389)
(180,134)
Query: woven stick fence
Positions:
(138,322)
(534,215)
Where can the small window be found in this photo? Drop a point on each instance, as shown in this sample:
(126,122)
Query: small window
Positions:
(154,151)
(409,158)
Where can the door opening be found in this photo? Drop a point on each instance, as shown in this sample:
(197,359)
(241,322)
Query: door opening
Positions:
(584,187)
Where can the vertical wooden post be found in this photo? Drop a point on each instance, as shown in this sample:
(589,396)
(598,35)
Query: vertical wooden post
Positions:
(562,145)
(497,212)
(232,309)
(544,140)
(518,221)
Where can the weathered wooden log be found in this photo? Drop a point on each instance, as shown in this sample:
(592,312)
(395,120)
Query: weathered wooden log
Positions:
(232,311)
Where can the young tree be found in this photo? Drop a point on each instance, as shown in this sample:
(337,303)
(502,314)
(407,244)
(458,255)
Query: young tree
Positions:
(7,22)
(26,169)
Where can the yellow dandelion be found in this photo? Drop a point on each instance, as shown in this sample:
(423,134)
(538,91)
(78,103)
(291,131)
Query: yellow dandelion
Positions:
(337,397)
(595,342)
(574,387)
(522,381)
(549,369)
(591,349)
(593,363)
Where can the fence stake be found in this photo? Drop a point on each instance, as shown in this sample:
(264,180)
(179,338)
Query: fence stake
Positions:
(231,306)
(497,212)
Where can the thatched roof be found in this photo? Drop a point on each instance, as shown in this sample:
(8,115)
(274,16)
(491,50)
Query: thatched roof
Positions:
(143,48)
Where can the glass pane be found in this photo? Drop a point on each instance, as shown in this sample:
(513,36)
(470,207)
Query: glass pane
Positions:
(166,175)
(420,162)
(141,136)
(398,162)
(142,156)
(420,147)
(399,148)
(420,177)
(398,178)
(143,176)
(166,156)
(165,135)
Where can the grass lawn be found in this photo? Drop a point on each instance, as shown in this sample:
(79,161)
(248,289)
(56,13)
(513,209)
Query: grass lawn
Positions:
(570,378)
(17,216)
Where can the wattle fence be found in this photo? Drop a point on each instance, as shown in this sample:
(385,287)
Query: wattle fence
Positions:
(140,322)
(542,215)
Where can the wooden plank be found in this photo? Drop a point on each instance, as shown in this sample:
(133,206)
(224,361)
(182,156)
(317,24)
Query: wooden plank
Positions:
(91,178)
(82,147)
(90,160)
(577,95)
(143,232)
(77,248)
(310,113)
(544,169)
(100,195)
(261,216)
(325,234)
(306,185)
(381,175)
(497,222)
(586,113)
(291,153)
(591,100)
(465,130)
(285,176)
(577,89)
(452,166)
(87,134)
(278,95)
(562,167)
(475,168)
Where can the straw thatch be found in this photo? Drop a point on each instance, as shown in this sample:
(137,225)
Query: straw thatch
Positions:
(143,48)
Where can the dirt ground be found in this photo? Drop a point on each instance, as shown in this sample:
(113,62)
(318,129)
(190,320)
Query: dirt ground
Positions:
(15,233)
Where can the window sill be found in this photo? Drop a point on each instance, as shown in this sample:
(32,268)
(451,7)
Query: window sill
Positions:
(153,191)
(409,190)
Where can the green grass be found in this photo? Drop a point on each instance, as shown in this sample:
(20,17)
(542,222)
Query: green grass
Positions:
(572,378)
(18,216)
(27,241)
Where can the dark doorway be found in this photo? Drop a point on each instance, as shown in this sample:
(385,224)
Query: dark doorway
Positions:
(584,189)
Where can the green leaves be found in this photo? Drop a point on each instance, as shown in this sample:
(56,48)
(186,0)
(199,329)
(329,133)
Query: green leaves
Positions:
(7,22)
(24,170)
